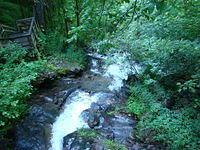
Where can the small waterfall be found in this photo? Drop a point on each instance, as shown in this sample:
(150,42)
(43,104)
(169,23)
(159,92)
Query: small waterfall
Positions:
(70,119)
(120,70)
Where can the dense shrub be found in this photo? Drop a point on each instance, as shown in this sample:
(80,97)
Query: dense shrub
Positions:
(178,129)
(74,55)
(167,98)
(51,43)
(16,76)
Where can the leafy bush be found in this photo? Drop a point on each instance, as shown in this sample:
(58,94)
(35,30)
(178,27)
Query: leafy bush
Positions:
(168,61)
(74,55)
(170,74)
(166,100)
(51,44)
(16,76)
(177,129)
(11,55)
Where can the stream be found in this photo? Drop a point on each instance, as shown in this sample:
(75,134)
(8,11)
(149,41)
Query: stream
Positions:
(70,120)
(69,104)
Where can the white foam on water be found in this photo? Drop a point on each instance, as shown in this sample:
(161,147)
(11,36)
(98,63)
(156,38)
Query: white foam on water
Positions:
(97,55)
(120,70)
(94,67)
(70,120)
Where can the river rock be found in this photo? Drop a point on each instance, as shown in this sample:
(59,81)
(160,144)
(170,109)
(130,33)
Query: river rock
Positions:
(48,99)
(34,132)
(136,147)
(114,127)
(61,97)
(74,141)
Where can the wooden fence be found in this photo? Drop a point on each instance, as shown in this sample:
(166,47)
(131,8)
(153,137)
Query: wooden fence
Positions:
(25,34)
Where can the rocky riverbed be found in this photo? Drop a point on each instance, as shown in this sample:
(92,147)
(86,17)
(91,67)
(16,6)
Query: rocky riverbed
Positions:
(84,112)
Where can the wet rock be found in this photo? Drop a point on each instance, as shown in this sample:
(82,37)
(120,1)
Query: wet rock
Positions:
(123,94)
(136,147)
(61,98)
(87,141)
(122,127)
(47,134)
(85,115)
(94,115)
(106,133)
(48,99)
(151,147)
(34,132)
(74,141)
(94,120)
(114,127)
(132,78)
(99,145)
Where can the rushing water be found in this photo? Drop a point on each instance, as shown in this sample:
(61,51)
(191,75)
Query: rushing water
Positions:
(70,119)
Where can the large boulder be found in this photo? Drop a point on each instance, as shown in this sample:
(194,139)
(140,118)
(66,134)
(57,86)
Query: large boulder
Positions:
(109,123)
(62,96)
(74,141)
(84,139)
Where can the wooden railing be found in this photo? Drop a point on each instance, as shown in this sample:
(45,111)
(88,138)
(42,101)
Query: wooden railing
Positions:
(4,30)
(26,34)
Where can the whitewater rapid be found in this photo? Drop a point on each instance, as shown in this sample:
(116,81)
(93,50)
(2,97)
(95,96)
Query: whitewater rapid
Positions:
(70,119)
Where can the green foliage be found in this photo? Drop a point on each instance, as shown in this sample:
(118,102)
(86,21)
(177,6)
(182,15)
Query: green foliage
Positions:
(8,12)
(16,76)
(177,129)
(12,55)
(191,85)
(164,38)
(87,133)
(112,145)
(103,46)
(76,56)
(13,10)
(51,44)
(83,21)
(168,61)
(137,103)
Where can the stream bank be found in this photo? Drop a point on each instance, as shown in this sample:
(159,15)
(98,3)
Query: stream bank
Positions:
(81,113)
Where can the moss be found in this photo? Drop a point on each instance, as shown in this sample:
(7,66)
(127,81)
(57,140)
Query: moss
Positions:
(113,145)
(87,133)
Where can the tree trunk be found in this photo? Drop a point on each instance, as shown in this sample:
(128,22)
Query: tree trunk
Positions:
(77,12)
